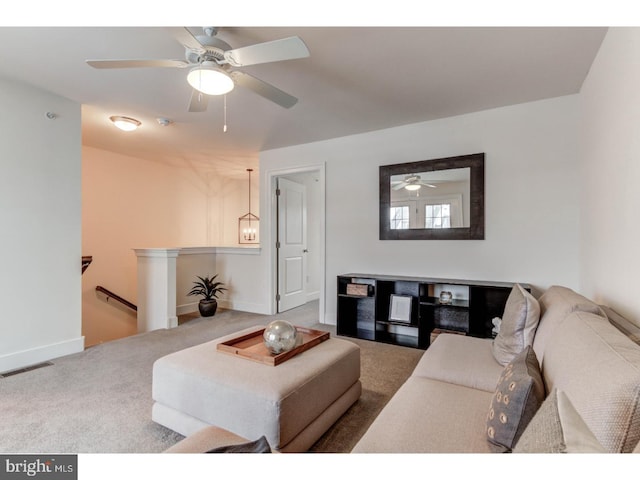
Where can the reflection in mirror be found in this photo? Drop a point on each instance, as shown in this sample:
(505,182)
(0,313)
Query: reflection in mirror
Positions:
(433,199)
(437,199)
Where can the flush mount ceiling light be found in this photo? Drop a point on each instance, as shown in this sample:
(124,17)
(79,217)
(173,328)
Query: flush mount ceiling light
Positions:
(210,79)
(125,123)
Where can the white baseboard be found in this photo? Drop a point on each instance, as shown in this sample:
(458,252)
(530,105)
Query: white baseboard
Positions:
(311,296)
(227,305)
(26,358)
(187,308)
(244,307)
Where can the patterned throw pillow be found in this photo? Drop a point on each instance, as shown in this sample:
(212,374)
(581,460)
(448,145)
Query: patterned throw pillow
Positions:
(518,327)
(557,428)
(518,395)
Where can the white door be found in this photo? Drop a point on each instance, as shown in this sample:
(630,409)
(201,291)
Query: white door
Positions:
(291,244)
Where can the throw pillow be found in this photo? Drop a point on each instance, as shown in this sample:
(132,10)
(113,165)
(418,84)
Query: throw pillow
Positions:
(558,428)
(518,395)
(257,446)
(518,326)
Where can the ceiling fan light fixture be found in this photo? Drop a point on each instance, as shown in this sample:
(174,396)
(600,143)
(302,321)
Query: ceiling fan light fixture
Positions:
(127,124)
(210,79)
(412,187)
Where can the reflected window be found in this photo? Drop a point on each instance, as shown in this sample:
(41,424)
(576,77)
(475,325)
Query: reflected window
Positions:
(399,217)
(438,216)
(456,182)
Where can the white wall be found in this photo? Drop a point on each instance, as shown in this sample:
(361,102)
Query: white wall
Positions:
(244,272)
(192,263)
(40,220)
(611,158)
(532,196)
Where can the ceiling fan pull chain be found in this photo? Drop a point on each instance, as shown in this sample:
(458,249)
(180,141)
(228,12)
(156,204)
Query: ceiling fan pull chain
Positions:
(224,128)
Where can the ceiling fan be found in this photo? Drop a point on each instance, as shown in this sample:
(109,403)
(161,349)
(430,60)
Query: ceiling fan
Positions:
(211,58)
(410,182)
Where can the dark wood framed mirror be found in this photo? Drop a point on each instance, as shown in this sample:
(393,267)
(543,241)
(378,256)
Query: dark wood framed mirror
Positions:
(439,199)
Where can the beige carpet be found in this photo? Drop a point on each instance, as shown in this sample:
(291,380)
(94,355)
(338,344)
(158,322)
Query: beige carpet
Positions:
(384,369)
(99,400)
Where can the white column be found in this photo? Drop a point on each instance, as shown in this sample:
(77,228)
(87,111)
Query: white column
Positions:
(156,288)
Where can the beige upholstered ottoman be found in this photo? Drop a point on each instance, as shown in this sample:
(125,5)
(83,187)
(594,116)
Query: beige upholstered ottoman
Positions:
(292,404)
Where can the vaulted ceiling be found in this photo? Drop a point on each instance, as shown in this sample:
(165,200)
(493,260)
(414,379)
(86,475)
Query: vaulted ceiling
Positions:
(356,79)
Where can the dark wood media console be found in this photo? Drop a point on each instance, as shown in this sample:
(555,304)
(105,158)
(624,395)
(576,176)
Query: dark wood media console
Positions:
(406,310)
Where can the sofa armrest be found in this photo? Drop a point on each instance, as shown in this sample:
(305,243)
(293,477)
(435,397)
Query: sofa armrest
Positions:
(625,326)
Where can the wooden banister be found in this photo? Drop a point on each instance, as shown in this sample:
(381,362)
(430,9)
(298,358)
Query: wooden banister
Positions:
(86,261)
(118,298)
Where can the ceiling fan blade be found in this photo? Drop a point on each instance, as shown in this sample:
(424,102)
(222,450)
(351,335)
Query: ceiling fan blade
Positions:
(136,63)
(274,51)
(264,89)
(186,39)
(399,186)
(428,185)
(199,101)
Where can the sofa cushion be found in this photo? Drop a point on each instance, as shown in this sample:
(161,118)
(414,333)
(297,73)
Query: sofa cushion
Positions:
(517,397)
(463,360)
(557,428)
(429,416)
(598,368)
(555,304)
(518,327)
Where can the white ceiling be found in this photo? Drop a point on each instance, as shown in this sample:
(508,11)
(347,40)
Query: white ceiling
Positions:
(357,79)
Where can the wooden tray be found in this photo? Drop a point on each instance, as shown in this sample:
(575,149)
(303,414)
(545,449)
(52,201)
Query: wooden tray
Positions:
(251,346)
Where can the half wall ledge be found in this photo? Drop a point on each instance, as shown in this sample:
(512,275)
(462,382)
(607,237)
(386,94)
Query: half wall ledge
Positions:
(157,285)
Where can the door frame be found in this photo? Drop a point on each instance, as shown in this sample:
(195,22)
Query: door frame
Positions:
(271,178)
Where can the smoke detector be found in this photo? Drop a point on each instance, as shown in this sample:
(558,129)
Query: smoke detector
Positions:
(165,122)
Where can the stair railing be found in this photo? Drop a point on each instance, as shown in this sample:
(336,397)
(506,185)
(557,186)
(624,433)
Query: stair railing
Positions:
(118,298)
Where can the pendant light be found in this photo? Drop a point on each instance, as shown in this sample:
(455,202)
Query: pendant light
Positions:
(249,224)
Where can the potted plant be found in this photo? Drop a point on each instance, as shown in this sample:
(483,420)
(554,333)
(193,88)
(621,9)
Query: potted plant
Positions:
(209,289)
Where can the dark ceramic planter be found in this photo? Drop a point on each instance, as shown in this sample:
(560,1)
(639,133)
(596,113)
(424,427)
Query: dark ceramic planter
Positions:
(208,307)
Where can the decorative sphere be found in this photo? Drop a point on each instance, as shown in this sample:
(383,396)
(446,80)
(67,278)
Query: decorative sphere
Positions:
(280,336)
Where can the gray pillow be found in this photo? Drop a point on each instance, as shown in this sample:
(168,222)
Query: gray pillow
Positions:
(518,395)
(518,327)
(558,428)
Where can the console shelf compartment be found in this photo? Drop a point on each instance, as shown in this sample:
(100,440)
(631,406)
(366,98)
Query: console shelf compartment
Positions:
(473,306)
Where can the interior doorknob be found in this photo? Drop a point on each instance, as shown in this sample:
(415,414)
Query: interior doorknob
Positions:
(305,251)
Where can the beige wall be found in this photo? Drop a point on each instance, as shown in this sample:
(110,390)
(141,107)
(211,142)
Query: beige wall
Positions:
(132,203)
(610,258)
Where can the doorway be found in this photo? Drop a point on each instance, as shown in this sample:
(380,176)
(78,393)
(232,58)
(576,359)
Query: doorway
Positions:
(298,225)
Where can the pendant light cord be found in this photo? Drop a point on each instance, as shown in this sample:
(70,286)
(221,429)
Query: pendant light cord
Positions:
(249,170)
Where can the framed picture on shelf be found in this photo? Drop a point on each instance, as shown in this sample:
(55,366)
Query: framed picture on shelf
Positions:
(400,308)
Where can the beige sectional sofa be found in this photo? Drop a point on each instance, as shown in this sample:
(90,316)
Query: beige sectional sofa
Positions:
(589,388)
(589,365)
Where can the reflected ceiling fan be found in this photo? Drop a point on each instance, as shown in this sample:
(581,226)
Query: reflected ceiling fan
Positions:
(411,182)
(212,62)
